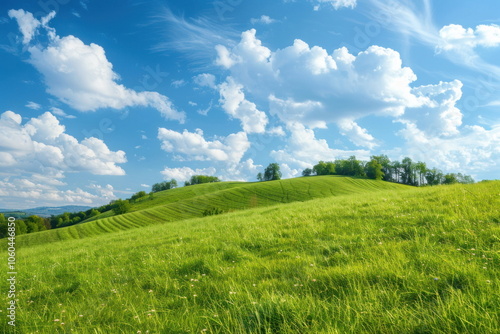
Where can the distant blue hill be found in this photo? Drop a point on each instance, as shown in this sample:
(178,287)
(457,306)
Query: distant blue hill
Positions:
(45,211)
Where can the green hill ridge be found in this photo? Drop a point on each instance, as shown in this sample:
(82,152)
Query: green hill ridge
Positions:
(194,201)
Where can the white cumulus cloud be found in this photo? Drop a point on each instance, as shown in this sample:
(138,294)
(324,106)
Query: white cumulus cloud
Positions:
(42,144)
(194,146)
(80,75)
(303,149)
(234,103)
(455,36)
(264,19)
(23,191)
(309,85)
(184,173)
(438,114)
(356,134)
(474,150)
(205,80)
(337,4)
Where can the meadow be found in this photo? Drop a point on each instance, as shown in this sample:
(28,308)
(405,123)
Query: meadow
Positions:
(194,201)
(383,258)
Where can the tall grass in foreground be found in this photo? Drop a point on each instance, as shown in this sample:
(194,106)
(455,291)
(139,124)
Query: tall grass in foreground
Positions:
(414,261)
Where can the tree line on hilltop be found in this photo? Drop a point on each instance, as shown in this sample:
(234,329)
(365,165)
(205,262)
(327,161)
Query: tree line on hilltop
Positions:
(380,167)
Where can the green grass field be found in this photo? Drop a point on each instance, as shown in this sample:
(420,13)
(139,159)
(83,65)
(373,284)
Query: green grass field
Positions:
(189,202)
(375,258)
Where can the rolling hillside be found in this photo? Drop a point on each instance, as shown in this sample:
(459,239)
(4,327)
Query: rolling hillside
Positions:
(420,260)
(193,201)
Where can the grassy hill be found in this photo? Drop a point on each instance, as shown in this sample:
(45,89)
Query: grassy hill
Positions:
(420,260)
(193,201)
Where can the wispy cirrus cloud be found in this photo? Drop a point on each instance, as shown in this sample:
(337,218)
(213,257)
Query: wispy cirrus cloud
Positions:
(33,105)
(457,43)
(463,45)
(195,37)
(412,18)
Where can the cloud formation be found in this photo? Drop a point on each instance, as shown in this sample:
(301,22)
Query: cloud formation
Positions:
(36,155)
(25,190)
(21,192)
(234,103)
(309,85)
(303,149)
(193,145)
(42,144)
(456,37)
(264,19)
(226,171)
(33,105)
(182,174)
(474,150)
(80,75)
(337,4)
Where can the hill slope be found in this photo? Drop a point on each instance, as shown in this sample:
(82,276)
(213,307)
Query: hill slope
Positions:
(193,201)
(425,260)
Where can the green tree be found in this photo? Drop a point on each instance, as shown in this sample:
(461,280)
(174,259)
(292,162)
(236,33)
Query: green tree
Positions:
(421,168)
(307,172)
(156,187)
(166,185)
(260,177)
(450,178)
(330,168)
(199,179)
(121,206)
(272,172)
(59,222)
(408,172)
(3,226)
(66,217)
(31,227)
(465,179)
(374,170)
(4,229)
(355,167)
(94,212)
(396,171)
(35,223)
(324,168)
(434,177)
(21,227)
(386,166)
(342,167)
(320,168)
(138,195)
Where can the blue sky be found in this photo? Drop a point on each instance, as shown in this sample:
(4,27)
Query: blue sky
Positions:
(101,99)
